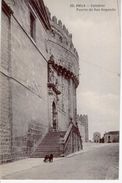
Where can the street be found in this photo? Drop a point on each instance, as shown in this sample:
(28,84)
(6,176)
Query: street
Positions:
(96,163)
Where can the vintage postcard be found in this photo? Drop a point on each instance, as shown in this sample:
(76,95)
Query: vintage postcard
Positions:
(59,89)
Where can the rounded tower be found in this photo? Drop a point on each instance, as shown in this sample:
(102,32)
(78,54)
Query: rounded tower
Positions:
(63,76)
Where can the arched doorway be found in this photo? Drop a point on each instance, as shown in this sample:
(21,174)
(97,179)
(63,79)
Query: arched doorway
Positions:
(54,116)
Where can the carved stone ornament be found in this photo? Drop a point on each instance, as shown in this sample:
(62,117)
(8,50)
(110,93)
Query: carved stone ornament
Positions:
(51,75)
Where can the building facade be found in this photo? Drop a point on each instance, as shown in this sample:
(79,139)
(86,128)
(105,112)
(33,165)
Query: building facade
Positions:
(111,137)
(83,126)
(39,70)
(96,137)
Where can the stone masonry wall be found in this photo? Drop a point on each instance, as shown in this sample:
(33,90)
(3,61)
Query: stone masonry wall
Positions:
(5,94)
(29,88)
(22,9)
(5,119)
(27,81)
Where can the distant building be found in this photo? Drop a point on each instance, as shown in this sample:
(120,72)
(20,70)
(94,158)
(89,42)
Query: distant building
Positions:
(111,136)
(96,137)
(83,127)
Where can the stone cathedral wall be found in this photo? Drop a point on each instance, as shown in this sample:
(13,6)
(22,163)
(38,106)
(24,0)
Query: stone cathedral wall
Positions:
(23,81)
(24,100)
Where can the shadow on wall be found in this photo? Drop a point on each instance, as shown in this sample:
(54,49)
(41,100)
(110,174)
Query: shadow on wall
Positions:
(23,144)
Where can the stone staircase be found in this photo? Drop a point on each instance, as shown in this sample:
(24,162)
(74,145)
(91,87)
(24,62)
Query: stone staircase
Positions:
(50,144)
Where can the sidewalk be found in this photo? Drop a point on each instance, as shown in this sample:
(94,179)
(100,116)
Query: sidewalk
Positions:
(24,164)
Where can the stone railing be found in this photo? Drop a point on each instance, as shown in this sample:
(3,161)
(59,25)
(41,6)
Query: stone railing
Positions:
(66,143)
(64,140)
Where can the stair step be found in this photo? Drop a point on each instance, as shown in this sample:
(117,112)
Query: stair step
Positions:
(47,149)
(51,140)
(41,147)
(50,144)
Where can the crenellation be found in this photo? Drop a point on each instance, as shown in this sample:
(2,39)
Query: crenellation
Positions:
(77,54)
(64,28)
(62,35)
(75,50)
(60,23)
(54,19)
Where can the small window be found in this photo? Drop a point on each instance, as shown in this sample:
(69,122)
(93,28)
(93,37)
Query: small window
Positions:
(32,26)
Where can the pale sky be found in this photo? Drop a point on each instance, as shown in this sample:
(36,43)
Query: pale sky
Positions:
(96,36)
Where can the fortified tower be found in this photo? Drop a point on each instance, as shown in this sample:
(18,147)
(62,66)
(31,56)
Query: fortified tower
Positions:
(63,76)
(83,126)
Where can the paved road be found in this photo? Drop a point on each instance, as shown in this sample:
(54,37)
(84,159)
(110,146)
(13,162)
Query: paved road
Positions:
(98,163)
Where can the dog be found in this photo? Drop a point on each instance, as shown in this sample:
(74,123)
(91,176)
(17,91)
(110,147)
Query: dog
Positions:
(51,158)
(46,158)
